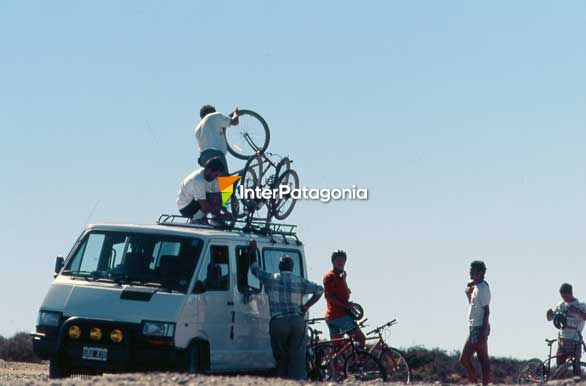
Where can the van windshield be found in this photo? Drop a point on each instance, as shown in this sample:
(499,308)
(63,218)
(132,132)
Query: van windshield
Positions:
(155,260)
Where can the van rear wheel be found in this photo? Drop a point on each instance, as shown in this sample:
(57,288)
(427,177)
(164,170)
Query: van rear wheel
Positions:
(57,370)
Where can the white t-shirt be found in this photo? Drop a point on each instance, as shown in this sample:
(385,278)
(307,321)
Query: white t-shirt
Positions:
(478,300)
(210,134)
(574,321)
(195,187)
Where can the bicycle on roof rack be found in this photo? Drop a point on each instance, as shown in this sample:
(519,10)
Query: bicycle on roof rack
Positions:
(263,171)
(537,371)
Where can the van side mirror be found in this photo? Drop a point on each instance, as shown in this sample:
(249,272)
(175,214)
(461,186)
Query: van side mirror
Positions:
(59,260)
(199,288)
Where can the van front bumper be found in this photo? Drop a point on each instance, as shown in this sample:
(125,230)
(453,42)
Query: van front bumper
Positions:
(44,346)
(134,353)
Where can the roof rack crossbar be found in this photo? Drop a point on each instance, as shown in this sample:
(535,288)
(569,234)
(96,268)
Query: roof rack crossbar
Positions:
(257,227)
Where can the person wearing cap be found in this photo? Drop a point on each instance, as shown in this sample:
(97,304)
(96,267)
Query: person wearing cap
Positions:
(287,326)
(199,193)
(478,294)
(337,296)
(569,338)
(210,134)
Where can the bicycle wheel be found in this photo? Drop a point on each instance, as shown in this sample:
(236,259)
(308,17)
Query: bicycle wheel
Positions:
(363,366)
(249,179)
(282,207)
(251,135)
(532,371)
(395,365)
(325,362)
(566,371)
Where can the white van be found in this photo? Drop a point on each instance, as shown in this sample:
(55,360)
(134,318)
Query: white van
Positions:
(167,296)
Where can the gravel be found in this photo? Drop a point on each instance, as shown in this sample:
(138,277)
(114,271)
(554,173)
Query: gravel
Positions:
(32,374)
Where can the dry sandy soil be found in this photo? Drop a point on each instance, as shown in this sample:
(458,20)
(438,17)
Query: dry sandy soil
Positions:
(21,374)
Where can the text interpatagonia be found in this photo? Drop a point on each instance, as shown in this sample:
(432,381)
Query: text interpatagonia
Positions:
(304,193)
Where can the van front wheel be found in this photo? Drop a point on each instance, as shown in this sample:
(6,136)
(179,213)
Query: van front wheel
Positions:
(198,357)
(57,370)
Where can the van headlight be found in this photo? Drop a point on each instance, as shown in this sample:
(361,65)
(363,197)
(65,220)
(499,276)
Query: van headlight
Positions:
(49,318)
(162,329)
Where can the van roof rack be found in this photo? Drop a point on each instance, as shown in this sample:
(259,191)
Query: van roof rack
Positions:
(257,227)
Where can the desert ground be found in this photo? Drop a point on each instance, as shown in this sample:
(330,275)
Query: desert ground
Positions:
(32,374)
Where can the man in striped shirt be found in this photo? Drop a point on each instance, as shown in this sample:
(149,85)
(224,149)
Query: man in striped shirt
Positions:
(287,327)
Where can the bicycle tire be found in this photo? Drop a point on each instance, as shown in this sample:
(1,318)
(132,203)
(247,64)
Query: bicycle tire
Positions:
(238,146)
(282,208)
(566,371)
(395,365)
(363,366)
(324,355)
(532,371)
(249,178)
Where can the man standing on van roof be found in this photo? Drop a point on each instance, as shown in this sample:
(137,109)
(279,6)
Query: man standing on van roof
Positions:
(287,327)
(199,193)
(478,294)
(210,134)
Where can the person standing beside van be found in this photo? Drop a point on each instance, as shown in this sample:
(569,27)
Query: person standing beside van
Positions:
(478,295)
(199,193)
(338,301)
(210,134)
(287,326)
(569,342)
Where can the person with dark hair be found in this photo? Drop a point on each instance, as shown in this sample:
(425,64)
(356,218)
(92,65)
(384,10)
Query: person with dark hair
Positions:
(199,193)
(287,326)
(569,337)
(478,295)
(210,134)
(337,296)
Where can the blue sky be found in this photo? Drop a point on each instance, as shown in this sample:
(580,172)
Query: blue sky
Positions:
(466,121)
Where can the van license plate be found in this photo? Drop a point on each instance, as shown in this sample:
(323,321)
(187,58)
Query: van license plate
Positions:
(95,354)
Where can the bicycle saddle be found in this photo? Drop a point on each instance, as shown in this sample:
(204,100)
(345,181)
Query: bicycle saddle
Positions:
(550,341)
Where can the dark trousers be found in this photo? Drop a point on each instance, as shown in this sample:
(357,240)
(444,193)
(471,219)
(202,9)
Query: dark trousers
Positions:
(208,154)
(288,341)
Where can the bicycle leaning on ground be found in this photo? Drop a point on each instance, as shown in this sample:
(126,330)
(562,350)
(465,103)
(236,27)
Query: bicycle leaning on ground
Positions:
(339,359)
(537,371)
(393,360)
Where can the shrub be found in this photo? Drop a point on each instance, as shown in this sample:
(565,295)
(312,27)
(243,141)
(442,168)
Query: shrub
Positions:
(19,348)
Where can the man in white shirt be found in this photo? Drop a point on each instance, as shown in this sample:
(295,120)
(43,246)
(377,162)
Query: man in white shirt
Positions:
(199,193)
(478,294)
(210,134)
(569,339)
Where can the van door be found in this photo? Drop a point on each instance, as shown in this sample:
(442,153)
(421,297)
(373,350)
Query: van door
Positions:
(251,330)
(214,305)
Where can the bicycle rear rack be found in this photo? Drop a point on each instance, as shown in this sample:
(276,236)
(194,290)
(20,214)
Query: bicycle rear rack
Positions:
(272,230)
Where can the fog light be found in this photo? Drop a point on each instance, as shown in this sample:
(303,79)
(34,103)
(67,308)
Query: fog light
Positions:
(95,334)
(116,336)
(74,332)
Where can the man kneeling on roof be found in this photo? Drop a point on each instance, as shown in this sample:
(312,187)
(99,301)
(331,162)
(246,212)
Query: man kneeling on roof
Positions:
(199,194)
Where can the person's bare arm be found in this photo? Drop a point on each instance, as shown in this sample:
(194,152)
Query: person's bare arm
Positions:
(314,299)
(214,206)
(234,117)
(468,291)
(485,322)
(549,315)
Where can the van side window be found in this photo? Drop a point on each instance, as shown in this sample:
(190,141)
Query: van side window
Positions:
(247,282)
(271,259)
(215,270)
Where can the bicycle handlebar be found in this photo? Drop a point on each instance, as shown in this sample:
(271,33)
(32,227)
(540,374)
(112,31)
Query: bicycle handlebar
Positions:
(314,320)
(381,328)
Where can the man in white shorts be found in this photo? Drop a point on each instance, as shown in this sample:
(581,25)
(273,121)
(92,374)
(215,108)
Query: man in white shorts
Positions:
(210,134)
(478,294)
(199,194)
